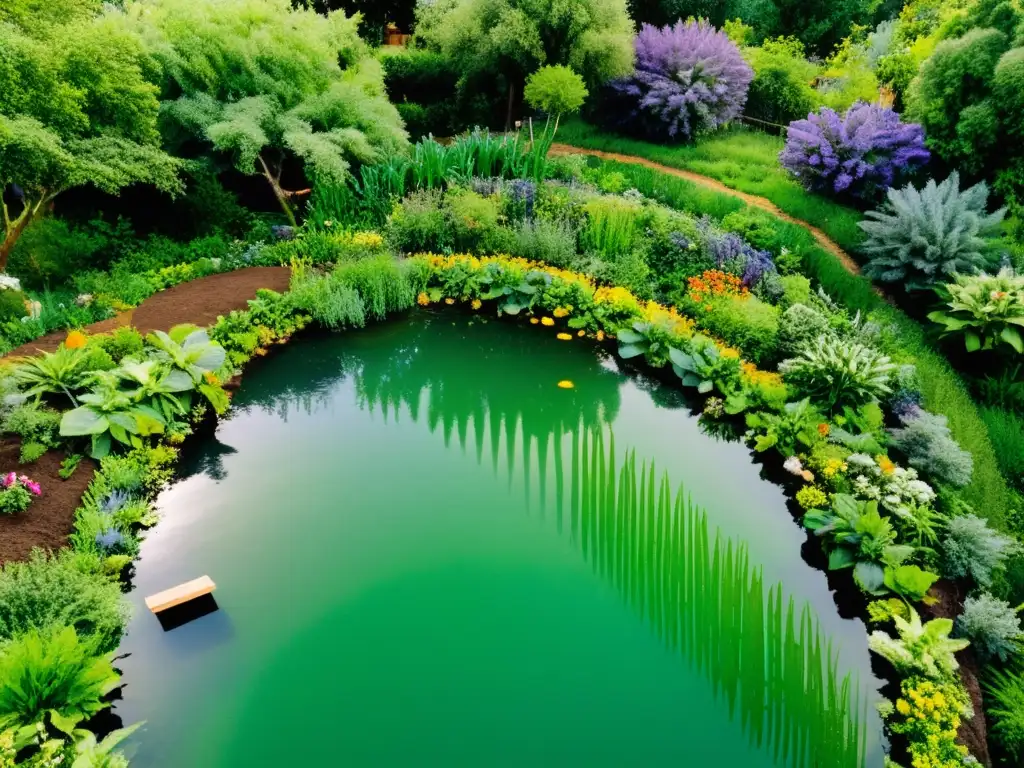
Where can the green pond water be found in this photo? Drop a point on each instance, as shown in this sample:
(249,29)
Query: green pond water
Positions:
(429,554)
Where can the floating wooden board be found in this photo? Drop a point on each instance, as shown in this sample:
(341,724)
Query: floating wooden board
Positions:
(182,593)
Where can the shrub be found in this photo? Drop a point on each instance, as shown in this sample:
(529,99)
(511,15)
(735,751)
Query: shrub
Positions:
(796,289)
(420,224)
(34,424)
(552,242)
(120,343)
(382,283)
(837,374)
(330,302)
(423,86)
(1007,432)
(800,327)
(747,323)
(15,497)
(923,237)
(972,549)
(731,254)
(612,224)
(991,625)
(52,675)
(690,79)
(920,649)
(781,89)
(757,228)
(987,310)
(860,155)
(61,590)
(12,305)
(475,219)
(556,90)
(930,448)
(1004,692)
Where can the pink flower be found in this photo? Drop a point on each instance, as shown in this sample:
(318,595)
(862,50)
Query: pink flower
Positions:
(9,479)
(34,488)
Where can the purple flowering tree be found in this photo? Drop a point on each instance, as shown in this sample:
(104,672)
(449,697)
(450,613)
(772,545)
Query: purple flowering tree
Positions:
(860,155)
(690,78)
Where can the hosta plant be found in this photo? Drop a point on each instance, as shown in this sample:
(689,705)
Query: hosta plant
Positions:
(690,78)
(859,155)
(921,238)
(705,367)
(919,649)
(107,414)
(858,537)
(836,373)
(910,582)
(795,428)
(986,310)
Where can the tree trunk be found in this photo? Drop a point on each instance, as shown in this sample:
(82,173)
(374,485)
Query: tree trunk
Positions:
(280,194)
(14,231)
(511,101)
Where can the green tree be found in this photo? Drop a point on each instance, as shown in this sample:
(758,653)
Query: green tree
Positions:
(512,38)
(75,109)
(269,87)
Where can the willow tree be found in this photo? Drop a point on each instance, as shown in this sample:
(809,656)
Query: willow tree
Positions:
(75,109)
(513,38)
(268,86)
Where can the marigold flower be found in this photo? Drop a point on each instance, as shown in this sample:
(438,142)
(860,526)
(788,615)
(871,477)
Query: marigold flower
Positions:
(885,464)
(449,301)
(902,707)
(600,335)
(476,304)
(823,429)
(534,321)
(565,337)
(547,321)
(560,312)
(581,334)
(422,299)
(211,379)
(76,340)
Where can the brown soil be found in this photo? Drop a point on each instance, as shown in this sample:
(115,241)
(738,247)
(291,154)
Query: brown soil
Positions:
(758,202)
(198,301)
(974,732)
(48,521)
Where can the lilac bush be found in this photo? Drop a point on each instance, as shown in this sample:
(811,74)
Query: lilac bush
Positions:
(690,78)
(860,155)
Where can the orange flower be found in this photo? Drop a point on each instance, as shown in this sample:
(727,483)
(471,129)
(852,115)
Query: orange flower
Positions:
(76,340)
(716,283)
(423,299)
(600,335)
(823,430)
(885,464)
(211,379)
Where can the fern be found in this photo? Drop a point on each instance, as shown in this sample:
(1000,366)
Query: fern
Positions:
(924,237)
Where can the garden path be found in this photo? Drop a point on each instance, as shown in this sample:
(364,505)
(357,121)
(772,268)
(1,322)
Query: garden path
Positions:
(198,302)
(705,181)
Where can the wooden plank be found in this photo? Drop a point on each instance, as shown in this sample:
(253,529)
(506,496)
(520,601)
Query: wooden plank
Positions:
(182,593)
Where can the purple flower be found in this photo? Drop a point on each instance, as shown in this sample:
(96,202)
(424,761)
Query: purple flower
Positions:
(690,78)
(860,155)
(735,255)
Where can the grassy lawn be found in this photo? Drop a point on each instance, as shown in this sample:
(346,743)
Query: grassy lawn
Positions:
(741,158)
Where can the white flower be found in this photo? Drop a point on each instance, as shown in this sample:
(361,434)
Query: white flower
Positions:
(9,282)
(793,465)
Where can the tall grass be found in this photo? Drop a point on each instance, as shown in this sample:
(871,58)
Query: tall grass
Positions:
(382,282)
(1007,431)
(611,226)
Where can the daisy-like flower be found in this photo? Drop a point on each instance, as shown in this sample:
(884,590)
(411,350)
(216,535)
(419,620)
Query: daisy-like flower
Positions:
(547,321)
(793,465)
(476,304)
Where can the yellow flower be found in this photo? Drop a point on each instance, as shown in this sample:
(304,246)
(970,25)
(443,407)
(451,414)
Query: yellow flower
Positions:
(886,464)
(581,334)
(547,321)
(534,321)
(76,340)
(211,379)
(729,352)
(560,312)
(902,707)
(476,304)
(423,299)
(449,301)
(565,337)
(600,335)
(566,384)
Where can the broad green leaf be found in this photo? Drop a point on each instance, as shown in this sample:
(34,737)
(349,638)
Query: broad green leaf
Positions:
(705,386)
(1012,337)
(82,421)
(840,558)
(630,350)
(629,336)
(869,577)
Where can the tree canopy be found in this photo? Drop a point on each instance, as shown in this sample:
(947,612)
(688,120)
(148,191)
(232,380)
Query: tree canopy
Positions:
(75,109)
(265,85)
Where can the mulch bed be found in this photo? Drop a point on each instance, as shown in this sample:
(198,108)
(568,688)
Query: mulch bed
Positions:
(199,302)
(48,522)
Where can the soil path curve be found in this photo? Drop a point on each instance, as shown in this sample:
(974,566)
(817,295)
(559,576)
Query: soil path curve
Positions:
(197,301)
(705,181)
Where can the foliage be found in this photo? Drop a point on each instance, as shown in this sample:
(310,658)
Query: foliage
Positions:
(924,650)
(329,302)
(1004,694)
(61,590)
(859,538)
(909,582)
(794,428)
(550,242)
(556,90)
(423,87)
(972,549)
(52,677)
(1006,430)
(307,90)
(690,79)
(987,310)
(16,493)
(860,155)
(75,109)
(991,625)
(896,488)
(781,89)
(53,373)
(838,373)
(800,327)
(383,284)
(930,712)
(922,237)
(744,322)
(929,447)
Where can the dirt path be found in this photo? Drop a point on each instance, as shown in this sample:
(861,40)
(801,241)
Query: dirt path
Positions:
(758,202)
(50,519)
(197,301)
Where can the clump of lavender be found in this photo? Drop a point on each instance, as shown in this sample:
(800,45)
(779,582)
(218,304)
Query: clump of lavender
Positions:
(860,155)
(690,78)
(522,194)
(735,255)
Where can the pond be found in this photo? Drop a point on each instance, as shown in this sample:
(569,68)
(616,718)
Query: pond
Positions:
(428,553)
